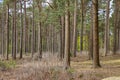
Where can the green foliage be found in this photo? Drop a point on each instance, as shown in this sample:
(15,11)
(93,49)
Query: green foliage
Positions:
(85,43)
(7,1)
(78,43)
(70,70)
(7,64)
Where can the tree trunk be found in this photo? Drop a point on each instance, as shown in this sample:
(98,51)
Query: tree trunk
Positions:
(7,30)
(75,30)
(40,31)
(106,43)
(67,36)
(21,32)
(62,37)
(3,18)
(25,28)
(14,24)
(91,37)
(117,25)
(33,33)
(96,62)
(40,40)
(115,28)
(12,41)
(82,25)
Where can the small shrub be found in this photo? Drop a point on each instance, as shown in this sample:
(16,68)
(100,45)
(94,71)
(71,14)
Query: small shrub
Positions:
(4,65)
(11,64)
(70,70)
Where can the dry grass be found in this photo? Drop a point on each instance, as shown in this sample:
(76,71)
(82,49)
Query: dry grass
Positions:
(112,78)
(50,68)
(110,67)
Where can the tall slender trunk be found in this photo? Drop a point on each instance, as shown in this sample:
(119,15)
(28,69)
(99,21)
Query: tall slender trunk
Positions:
(115,27)
(96,62)
(25,28)
(106,43)
(91,37)
(119,31)
(62,37)
(75,29)
(12,41)
(49,39)
(2,34)
(118,27)
(40,31)
(21,32)
(7,30)
(60,43)
(40,40)
(82,25)
(52,40)
(67,35)
(14,24)
(33,33)
(36,37)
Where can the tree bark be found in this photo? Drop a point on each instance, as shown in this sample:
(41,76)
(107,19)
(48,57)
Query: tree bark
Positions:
(62,37)
(115,28)
(21,32)
(96,61)
(14,24)
(82,25)
(91,37)
(75,29)
(3,18)
(67,36)
(7,29)
(106,39)
(33,33)
(40,31)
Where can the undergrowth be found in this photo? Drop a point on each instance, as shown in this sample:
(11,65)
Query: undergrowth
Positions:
(7,64)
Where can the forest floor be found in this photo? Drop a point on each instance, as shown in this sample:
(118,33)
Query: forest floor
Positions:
(52,69)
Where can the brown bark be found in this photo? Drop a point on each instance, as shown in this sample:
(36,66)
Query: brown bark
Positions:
(25,29)
(62,37)
(67,36)
(75,29)
(21,32)
(91,38)
(106,43)
(7,30)
(96,62)
(115,27)
(40,30)
(14,25)
(82,25)
(12,41)
(33,34)
(3,33)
